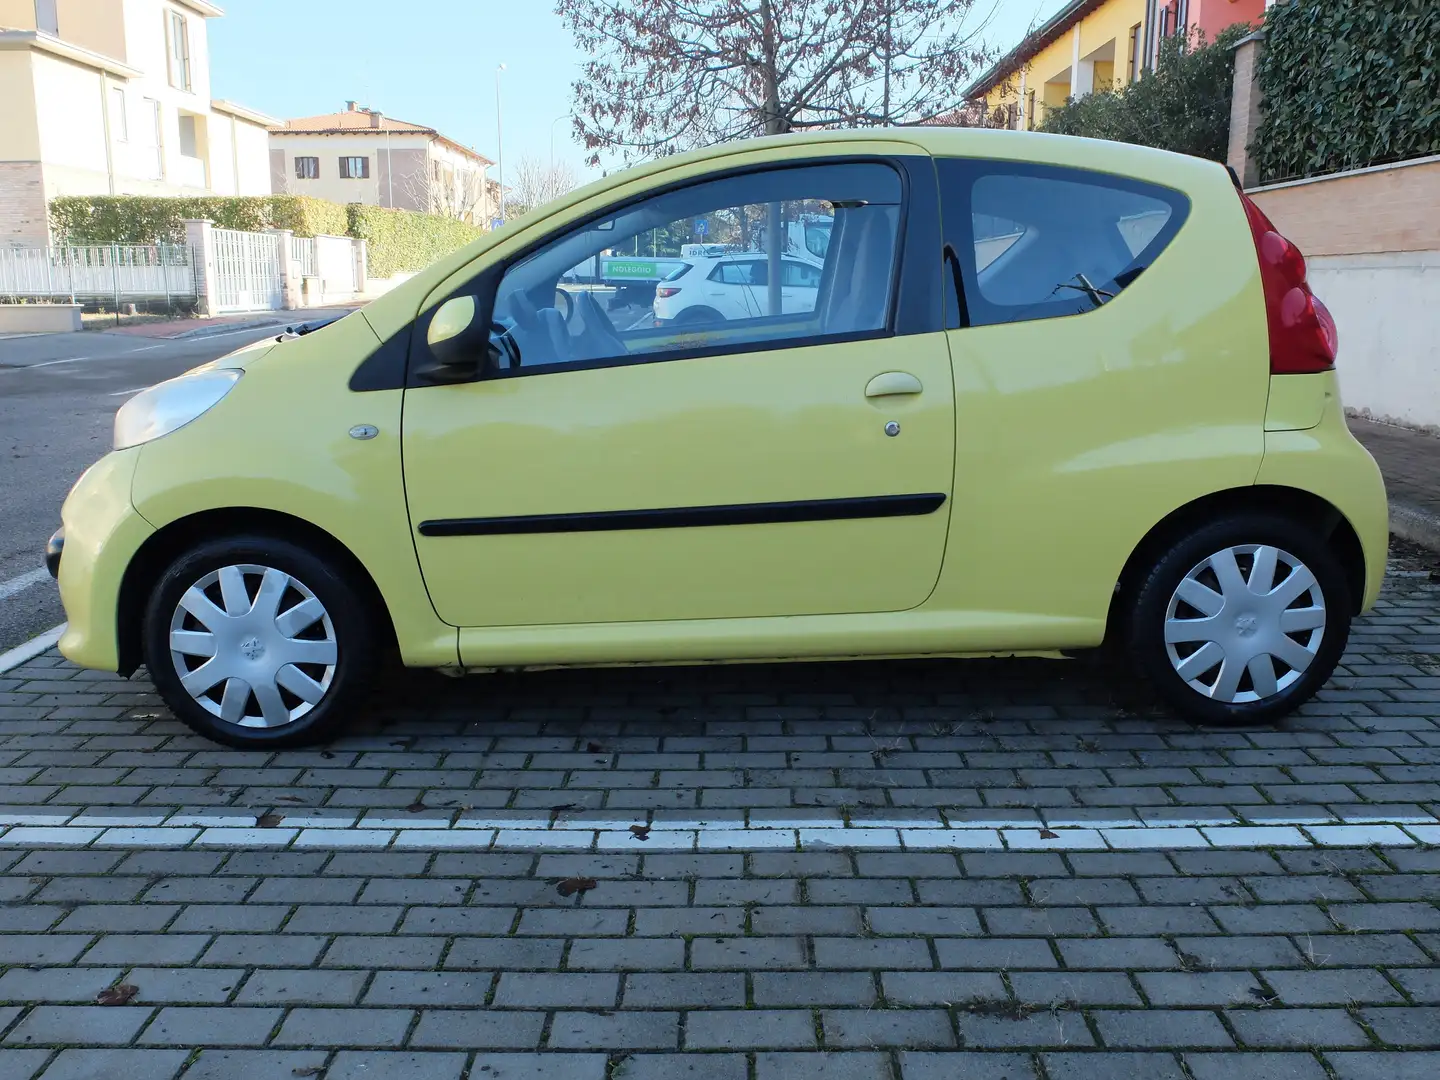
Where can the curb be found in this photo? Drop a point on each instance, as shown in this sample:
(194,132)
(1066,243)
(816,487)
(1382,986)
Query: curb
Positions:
(36,646)
(1410,522)
(226,328)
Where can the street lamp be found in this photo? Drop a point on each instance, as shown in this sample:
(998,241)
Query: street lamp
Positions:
(552,140)
(500,142)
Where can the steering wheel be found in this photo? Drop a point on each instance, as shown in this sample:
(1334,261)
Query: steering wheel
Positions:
(599,334)
(504,342)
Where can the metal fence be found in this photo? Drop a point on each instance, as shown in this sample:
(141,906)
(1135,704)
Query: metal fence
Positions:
(302,255)
(247,271)
(113,273)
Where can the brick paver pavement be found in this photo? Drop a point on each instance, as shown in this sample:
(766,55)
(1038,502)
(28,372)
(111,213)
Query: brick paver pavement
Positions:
(1410,462)
(1039,876)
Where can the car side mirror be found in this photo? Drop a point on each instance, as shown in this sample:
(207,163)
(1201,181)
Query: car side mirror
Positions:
(458,342)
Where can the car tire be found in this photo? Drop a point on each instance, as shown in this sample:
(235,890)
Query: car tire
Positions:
(293,638)
(1229,605)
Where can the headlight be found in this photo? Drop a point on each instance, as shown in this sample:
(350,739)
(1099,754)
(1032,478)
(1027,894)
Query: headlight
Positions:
(170,405)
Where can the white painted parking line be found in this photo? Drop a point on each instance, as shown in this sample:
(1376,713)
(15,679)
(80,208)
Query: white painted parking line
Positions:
(24,827)
(31,649)
(22,582)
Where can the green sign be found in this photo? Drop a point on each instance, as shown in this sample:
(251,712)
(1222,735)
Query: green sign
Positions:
(632,269)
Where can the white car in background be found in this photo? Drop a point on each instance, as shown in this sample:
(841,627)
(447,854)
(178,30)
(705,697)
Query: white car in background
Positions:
(722,288)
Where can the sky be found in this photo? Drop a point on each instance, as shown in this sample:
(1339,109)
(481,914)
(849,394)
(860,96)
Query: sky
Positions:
(433,62)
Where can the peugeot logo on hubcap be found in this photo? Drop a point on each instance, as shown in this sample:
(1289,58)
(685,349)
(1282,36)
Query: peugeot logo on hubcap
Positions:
(252,648)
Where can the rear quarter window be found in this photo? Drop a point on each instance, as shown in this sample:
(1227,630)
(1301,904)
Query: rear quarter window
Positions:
(1040,242)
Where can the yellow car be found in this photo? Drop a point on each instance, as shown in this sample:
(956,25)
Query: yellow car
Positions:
(1048,394)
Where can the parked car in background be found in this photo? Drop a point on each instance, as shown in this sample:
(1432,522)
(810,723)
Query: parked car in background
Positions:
(1039,395)
(716,289)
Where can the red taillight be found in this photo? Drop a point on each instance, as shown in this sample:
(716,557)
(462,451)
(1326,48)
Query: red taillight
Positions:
(1302,331)
(664,291)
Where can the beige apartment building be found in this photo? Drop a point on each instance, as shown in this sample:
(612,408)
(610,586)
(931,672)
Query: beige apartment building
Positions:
(113,97)
(362,156)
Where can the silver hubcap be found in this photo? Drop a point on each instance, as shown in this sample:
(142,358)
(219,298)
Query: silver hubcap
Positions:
(253,646)
(1245,623)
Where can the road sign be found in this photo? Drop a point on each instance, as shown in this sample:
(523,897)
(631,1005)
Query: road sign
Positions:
(702,227)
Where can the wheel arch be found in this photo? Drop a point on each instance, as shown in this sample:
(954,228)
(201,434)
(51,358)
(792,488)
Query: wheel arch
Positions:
(1294,503)
(164,545)
(699,313)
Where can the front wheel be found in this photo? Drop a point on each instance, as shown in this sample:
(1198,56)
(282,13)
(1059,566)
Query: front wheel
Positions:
(1242,621)
(256,642)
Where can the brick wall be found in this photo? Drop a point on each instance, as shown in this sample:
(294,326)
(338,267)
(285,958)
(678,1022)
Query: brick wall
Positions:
(23,218)
(1385,208)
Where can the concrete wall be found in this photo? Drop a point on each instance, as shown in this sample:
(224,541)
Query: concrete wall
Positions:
(70,112)
(252,144)
(39,318)
(239,156)
(1372,243)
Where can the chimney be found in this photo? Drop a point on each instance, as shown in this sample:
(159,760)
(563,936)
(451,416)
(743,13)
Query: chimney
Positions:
(350,106)
(377,118)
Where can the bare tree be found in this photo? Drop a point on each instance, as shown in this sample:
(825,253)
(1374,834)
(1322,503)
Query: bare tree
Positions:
(461,195)
(667,75)
(536,183)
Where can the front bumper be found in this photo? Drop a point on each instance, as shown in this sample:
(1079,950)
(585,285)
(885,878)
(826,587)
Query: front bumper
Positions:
(102,532)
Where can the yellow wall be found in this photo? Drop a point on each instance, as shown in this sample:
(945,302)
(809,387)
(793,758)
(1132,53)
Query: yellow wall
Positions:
(17,14)
(1047,73)
(19,137)
(98,25)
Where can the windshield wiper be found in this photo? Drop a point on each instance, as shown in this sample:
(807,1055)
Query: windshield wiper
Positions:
(1097,296)
(301,329)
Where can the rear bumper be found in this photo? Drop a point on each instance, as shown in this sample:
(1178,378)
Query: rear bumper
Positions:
(1329,462)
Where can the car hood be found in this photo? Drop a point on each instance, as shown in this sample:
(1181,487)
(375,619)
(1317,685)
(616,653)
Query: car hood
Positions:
(240,357)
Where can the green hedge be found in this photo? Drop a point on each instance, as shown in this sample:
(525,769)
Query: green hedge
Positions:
(1183,105)
(1348,83)
(401,240)
(141,219)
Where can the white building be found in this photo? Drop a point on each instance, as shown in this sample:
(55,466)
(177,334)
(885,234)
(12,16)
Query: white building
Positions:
(113,97)
(362,156)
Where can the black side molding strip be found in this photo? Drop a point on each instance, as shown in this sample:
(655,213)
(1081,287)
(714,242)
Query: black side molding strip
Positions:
(690,517)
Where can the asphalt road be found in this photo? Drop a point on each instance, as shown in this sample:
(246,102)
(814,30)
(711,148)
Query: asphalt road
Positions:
(58,395)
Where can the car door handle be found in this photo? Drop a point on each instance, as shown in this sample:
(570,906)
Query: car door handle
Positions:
(893,382)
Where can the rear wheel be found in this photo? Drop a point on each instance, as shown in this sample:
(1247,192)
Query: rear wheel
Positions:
(1241,621)
(257,642)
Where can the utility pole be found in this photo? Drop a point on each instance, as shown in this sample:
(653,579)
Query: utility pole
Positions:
(774,125)
(500,142)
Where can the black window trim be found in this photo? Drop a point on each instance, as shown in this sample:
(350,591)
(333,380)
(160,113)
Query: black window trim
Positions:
(961,285)
(914,298)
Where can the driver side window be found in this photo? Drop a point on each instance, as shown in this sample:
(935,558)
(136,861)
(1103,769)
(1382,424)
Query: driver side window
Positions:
(689,272)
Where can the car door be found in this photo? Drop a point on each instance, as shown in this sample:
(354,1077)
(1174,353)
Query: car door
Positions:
(1098,341)
(601,475)
(742,288)
(799,282)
